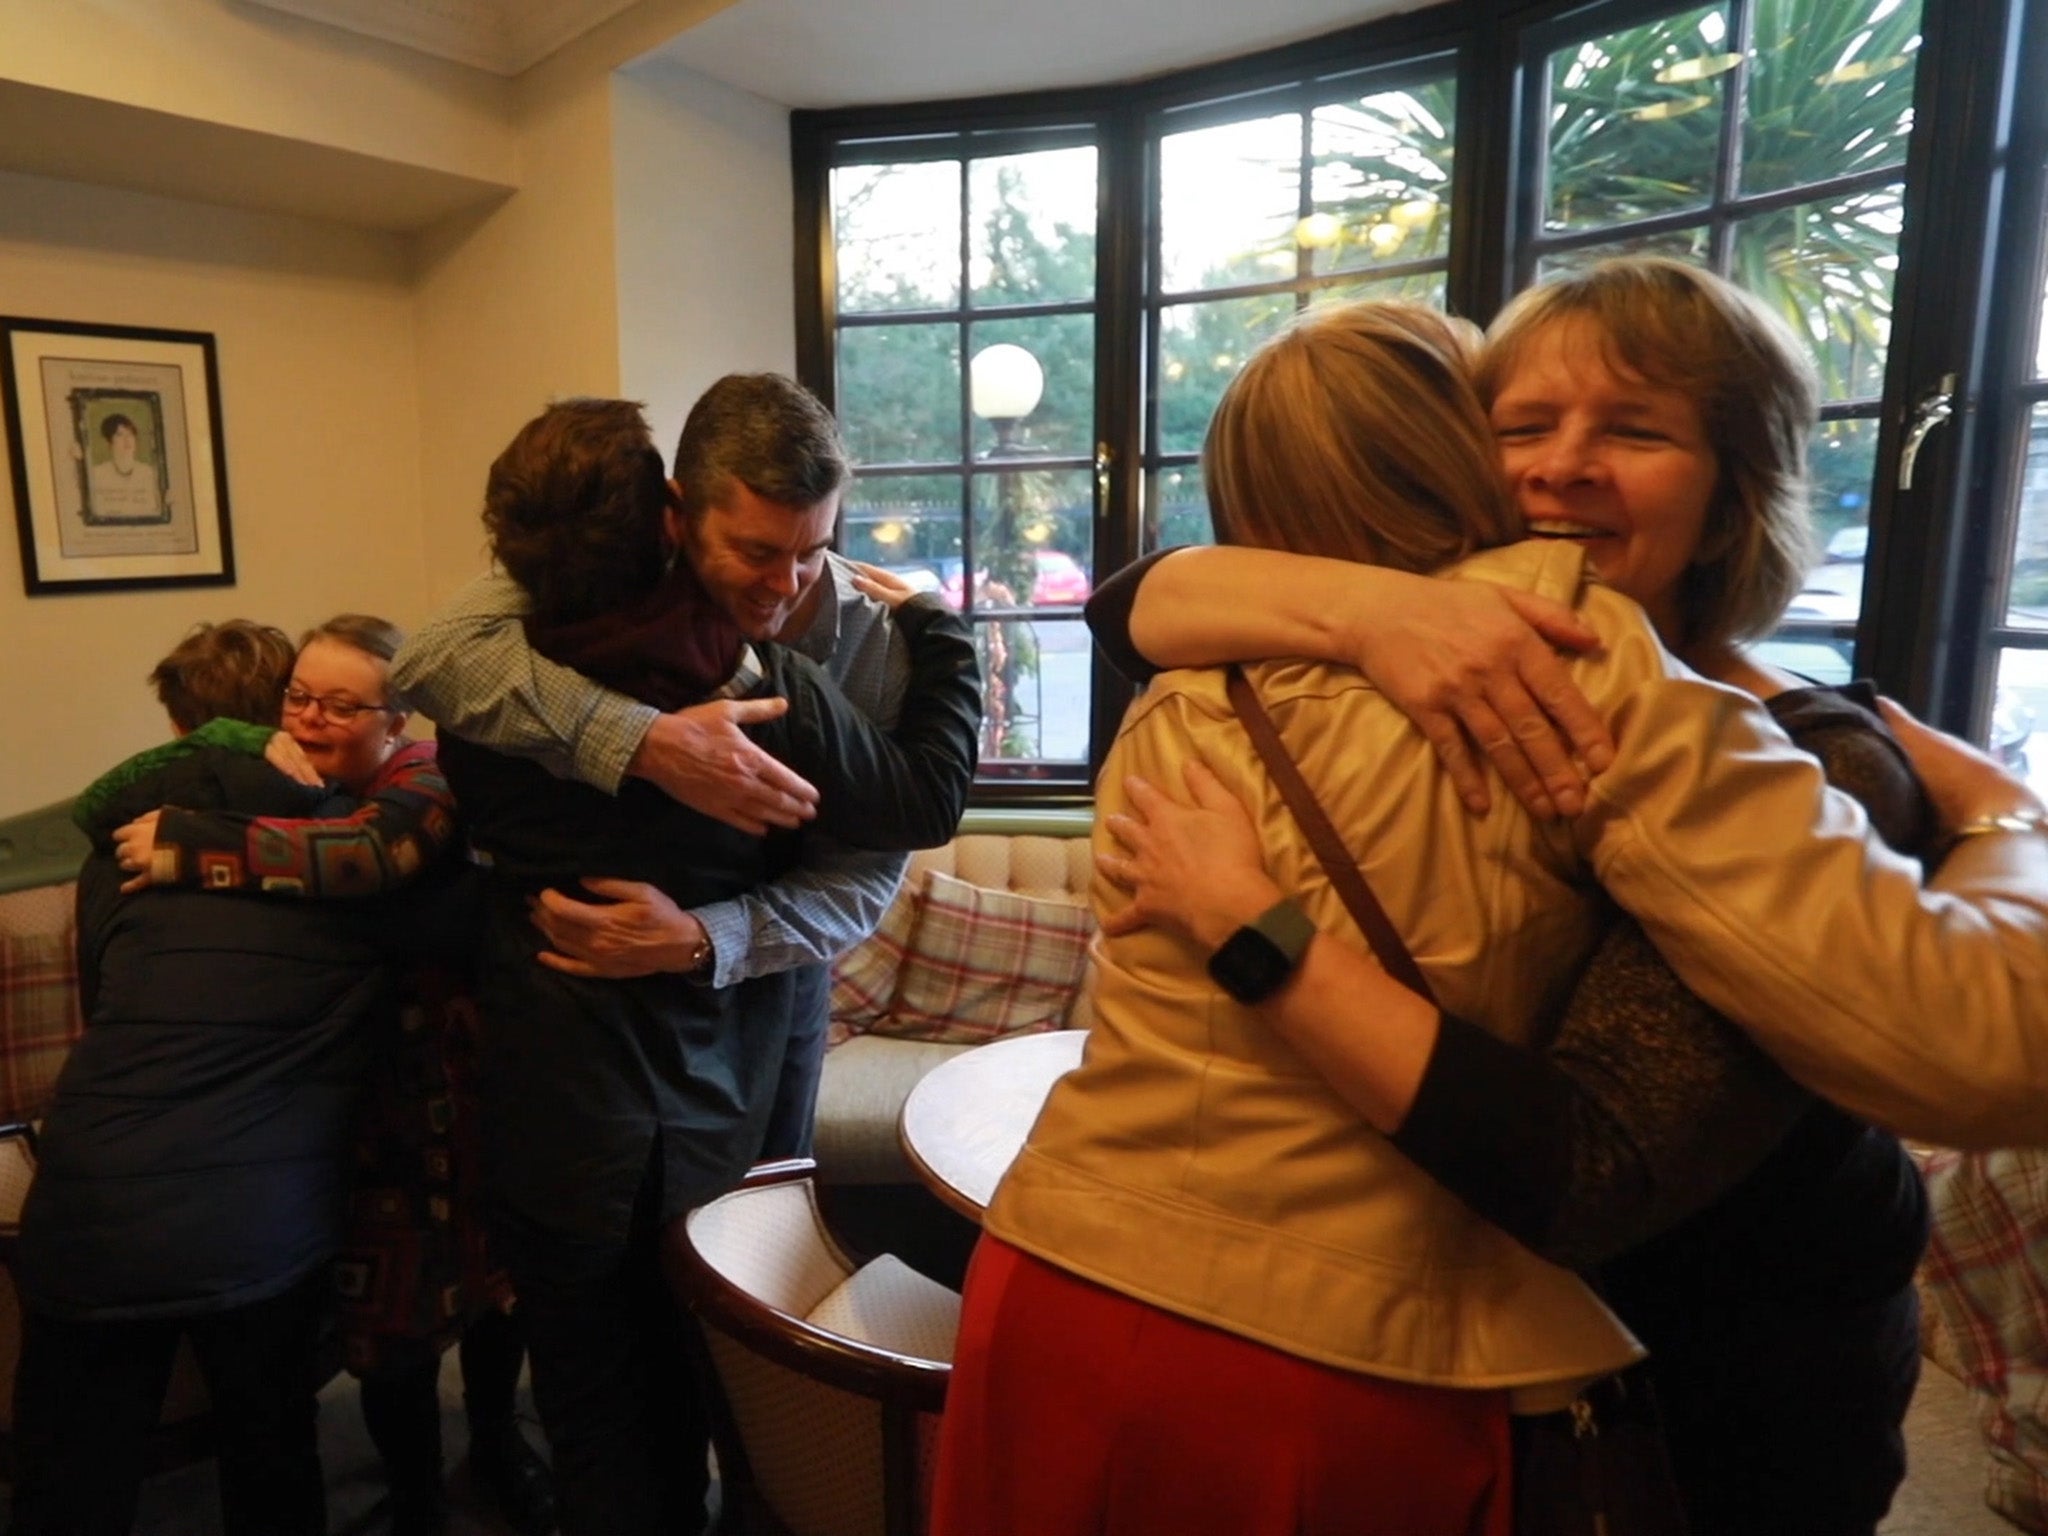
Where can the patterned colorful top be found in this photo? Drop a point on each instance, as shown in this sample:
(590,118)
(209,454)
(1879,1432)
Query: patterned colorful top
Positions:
(405,821)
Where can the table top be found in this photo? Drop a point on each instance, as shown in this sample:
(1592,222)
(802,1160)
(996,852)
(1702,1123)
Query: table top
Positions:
(966,1120)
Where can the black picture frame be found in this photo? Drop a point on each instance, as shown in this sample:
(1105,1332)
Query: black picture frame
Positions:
(117,454)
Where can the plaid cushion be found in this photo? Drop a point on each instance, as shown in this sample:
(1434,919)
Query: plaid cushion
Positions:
(1985,1276)
(986,963)
(39,1018)
(864,978)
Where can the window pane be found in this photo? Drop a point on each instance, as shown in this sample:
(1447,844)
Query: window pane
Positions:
(2027,604)
(1683,244)
(1830,91)
(909,523)
(1201,348)
(1229,198)
(1635,120)
(1827,267)
(1844,464)
(1063,422)
(896,229)
(899,393)
(2041,333)
(1380,179)
(1176,508)
(1034,688)
(1032,227)
(1819,657)
(1420,287)
(1034,537)
(2019,716)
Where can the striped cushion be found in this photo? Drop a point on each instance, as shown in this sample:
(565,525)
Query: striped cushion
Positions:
(39,1018)
(984,963)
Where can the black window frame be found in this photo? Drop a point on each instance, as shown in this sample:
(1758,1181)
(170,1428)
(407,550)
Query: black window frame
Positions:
(1919,634)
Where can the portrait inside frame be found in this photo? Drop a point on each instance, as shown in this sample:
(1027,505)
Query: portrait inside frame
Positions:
(119,462)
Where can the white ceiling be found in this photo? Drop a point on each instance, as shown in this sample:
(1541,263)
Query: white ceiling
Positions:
(838,53)
(835,53)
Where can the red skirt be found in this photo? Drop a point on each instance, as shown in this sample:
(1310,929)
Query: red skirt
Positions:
(1077,1411)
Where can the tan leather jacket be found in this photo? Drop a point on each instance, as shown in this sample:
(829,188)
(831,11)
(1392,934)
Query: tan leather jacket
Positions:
(1195,1162)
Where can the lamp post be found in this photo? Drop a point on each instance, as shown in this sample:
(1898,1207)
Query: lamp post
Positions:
(1004,384)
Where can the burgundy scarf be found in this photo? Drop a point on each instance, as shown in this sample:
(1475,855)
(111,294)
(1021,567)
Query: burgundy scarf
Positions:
(670,649)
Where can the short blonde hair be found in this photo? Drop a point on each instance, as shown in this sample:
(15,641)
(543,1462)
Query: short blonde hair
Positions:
(1356,433)
(1758,394)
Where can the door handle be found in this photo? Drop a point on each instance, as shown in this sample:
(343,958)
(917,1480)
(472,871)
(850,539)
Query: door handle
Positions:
(1934,407)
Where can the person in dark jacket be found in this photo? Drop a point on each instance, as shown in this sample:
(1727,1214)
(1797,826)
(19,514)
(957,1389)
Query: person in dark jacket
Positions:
(193,1168)
(613,1106)
(413,1271)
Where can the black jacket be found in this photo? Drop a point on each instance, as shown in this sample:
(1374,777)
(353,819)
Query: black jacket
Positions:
(195,1156)
(583,1079)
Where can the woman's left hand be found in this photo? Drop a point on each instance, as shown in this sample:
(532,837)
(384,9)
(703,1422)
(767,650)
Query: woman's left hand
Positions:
(884,586)
(1195,870)
(135,848)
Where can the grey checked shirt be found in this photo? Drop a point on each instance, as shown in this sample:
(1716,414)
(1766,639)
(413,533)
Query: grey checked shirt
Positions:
(471,670)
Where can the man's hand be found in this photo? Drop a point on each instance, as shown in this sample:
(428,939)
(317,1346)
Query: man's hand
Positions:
(636,931)
(289,759)
(135,850)
(701,757)
(1474,666)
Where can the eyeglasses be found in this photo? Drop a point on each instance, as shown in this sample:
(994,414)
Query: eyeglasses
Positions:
(333,705)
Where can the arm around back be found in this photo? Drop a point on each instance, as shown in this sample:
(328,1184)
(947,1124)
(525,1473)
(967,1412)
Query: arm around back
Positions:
(1921,1007)
(890,790)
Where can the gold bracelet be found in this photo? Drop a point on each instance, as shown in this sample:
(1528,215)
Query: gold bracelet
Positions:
(2008,821)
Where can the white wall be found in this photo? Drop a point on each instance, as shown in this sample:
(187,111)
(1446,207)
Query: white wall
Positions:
(319,402)
(247,67)
(368,379)
(514,307)
(705,237)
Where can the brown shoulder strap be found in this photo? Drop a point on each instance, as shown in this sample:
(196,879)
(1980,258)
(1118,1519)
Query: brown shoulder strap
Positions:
(1322,837)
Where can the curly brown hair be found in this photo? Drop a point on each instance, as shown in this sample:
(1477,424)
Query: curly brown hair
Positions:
(574,508)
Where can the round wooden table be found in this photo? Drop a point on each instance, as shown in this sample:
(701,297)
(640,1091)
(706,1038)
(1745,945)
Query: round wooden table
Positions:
(966,1120)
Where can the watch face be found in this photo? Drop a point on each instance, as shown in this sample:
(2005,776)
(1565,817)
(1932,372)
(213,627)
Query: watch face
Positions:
(1249,966)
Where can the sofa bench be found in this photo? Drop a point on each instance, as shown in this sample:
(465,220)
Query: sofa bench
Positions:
(988,936)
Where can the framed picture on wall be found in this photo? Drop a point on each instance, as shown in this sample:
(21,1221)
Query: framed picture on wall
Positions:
(119,464)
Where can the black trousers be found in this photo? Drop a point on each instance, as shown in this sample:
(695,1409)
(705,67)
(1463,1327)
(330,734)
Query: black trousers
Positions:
(615,1375)
(87,1394)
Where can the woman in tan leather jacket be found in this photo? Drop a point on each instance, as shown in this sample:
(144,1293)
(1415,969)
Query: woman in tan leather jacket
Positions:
(1204,1199)
(1760,1242)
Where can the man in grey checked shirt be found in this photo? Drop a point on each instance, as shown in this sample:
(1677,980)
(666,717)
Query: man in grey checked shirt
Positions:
(471,670)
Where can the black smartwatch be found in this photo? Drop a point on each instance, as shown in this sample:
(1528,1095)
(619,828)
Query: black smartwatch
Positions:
(1255,962)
